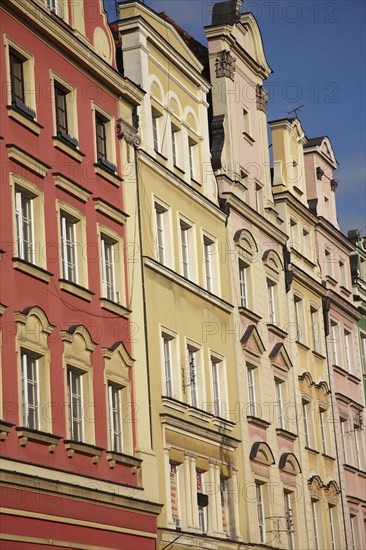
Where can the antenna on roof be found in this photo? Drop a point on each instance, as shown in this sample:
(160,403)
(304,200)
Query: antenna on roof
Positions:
(295,110)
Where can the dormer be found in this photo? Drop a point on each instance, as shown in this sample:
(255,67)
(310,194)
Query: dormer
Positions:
(320,164)
(288,140)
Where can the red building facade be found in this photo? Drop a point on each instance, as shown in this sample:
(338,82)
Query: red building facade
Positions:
(68,419)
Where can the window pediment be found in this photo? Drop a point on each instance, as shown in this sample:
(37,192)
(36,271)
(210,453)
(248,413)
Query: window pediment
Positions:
(280,358)
(252,342)
(289,464)
(117,363)
(272,260)
(323,386)
(315,483)
(261,453)
(34,326)
(246,243)
(80,337)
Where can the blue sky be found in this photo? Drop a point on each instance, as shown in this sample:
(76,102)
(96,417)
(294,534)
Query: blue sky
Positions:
(317,50)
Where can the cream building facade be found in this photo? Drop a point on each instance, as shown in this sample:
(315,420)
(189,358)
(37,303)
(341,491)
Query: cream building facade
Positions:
(184,329)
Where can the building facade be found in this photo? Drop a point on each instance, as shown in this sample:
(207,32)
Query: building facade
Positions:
(187,310)
(70,472)
(333,253)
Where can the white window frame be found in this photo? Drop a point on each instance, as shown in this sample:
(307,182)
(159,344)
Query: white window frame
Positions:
(315,523)
(348,346)
(331,525)
(202,510)
(354,531)
(299,318)
(76,423)
(252,398)
(185,248)
(307,431)
(344,434)
(279,404)
(323,432)
(210,266)
(25,249)
(168,367)
(69,264)
(192,157)
(260,513)
(334,329)
(271,301)
(109,288)
(115,417)
(243,284)
(52,5)
(363,351)
(314,324)
(29,360)
(175,467)
(289,520)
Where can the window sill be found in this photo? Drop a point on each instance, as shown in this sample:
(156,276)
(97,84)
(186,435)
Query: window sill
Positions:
(199,414)
(113,307)
(107,175)
(318,354)
(32,270)
(312,451)
(298,190)
(276,330)
(76,290)
(223,424)
(160,155)
(174,405)
(302,345)
(5,428)
(345,291)
(71,187)
(195,182)
(26,434)
(249,313)
(286,434)
(255,421)
(81,448)
(23,158)
(344,372)
(328,457)
(178,169)
(330,280)
(25,121)
(125,460)
(70,151)
(248,138)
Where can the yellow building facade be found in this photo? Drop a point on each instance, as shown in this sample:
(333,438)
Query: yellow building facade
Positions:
(184,328)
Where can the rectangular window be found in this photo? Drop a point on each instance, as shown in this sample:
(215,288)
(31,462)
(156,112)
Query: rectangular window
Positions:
(251,392)
(75,397)
(174,494)
(100,126)
(354,533)
(243,284)
(160,234)
(192,371)
(17,78)
(328,262)
(314,328)
(363,351)
(271,301)
(331,525)
(260,513)
(61,111)
(322,414)
(207,252)
(306,243)
(108,269)
(192,147)
(334,333)
(30,391)
(357,434)
(215,365)
(246,122)
(315,523)
(24,218)
(53,6)
(306,423)
(202,506)
(344,433)
(299,318)
(174,132)
(224,505)
(115,417)
(342,274)
(293,232)
(184,229)
(289,526)
(348,349)
(279,405)
(155,128)
(69,248)
(167,357)
(258,197)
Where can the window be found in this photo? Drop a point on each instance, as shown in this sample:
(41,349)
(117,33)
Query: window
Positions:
(61,110)
(174,493)
(69,248)
(30,391)
(156,130)
(331,525)
(52,5)
(342,274)
(225,505)
(75,400)
(202,500)
(115,417)
(322,414)
(209,257)
(192,376)
(299,318)
(314,504)
(306,243)
(314,328)
(216,369)
(293,233)
(258,191)
(326,208)
(105,140)
(344,433)
(358,439)
(108,269)
(184,229)
(279,404)
(348,349)
(175,145)
(24,217)
(246,122)
(334,334)
(328,262)
(162,232)
(251,392)
(167,358)
(243,284)
(307,425)
(271,301)
(363,351)
(260,513)
(17,78)
(354,532)
(289,520)
(192,155)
